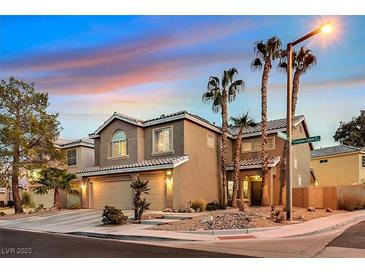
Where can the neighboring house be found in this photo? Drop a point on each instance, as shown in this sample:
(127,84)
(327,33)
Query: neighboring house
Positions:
(339,165)
(179,155)
(250,175)
(79,155)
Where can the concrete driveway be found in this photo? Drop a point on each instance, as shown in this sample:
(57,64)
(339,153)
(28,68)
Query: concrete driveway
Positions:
(63,222)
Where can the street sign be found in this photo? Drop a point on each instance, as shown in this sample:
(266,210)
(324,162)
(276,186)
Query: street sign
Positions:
(306,140)
(282,135)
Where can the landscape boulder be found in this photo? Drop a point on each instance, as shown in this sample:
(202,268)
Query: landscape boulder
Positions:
(328,210)
(311,209)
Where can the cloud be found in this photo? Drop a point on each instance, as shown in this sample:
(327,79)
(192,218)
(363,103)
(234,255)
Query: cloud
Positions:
(164,55)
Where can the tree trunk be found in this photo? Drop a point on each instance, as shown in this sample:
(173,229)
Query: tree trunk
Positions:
(282,197)
(224,146)
(237,159)
(265,169)
(56,199)
(15,181)
(137,205)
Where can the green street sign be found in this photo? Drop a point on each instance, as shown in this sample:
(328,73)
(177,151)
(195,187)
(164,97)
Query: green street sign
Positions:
(306,140)
(282,135)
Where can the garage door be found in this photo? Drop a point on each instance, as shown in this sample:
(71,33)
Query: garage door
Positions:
(113,192)
(157,196)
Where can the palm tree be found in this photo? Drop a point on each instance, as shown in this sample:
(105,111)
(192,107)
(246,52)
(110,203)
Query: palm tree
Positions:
(140,205)
(58,180)
(239,122)
(220,93)
(266,53)
(303,61)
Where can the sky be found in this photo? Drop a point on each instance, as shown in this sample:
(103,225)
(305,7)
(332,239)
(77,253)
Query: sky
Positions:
(145,66)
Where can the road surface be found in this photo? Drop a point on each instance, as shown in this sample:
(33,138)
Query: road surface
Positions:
(15,243)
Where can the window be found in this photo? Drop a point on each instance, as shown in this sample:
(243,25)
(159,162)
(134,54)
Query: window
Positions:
(119,144)
(230,189)
(245,189)
(210,140)
(323,161)
(2,190)
(363,161)
(162,140)
(71,157)
(299,180)
(255,145)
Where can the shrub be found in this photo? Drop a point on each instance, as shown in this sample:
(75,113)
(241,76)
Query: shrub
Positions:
(113,216)
(212,206)
(198,205)
(10,203)
(27,201)
(2,213)
(351,201)
(76,206)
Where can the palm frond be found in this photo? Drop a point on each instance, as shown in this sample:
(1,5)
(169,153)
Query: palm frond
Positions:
(256,64)
(235,88)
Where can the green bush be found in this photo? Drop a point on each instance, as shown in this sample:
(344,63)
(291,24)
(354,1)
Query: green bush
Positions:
(198,205)
(351,201)
(212,206)
(76,206)
(113,216)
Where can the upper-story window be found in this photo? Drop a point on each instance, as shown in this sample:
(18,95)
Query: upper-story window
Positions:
(254,145)
(162,140)
(363,161)
(71,157)
(210,140)
(119,144)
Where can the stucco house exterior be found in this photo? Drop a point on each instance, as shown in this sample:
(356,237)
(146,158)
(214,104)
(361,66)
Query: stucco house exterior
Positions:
(339,165)
(79,155)
(179,155)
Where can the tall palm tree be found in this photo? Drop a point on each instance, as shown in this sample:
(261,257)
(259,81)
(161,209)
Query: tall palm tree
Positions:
(58,180)
(266,53)
(303,60)
(220,93)
(239,122)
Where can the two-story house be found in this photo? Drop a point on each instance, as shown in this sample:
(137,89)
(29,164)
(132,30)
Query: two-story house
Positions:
(79,155)
(179,155)
(250,189)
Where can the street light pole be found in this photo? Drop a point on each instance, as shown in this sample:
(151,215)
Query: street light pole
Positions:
(289,51)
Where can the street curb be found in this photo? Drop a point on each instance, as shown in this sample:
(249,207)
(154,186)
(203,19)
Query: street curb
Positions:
(126,237)
(231,231)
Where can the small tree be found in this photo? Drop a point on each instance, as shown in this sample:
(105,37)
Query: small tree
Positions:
(56,179)
(140,205)
(27,133)
(352,133)
(27,201)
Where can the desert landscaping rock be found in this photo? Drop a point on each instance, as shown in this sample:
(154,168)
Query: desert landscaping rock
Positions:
(311,209)
(328,209)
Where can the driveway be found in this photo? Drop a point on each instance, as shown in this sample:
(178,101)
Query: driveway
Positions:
(63,222)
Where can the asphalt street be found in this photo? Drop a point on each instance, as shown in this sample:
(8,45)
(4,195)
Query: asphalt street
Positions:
(15,244)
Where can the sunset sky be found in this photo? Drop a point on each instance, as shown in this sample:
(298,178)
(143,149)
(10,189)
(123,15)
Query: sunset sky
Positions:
(144,66)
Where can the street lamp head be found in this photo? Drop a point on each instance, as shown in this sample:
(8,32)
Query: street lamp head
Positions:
(326,28)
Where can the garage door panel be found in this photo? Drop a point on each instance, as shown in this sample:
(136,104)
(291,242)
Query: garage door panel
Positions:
(157,196)
(115,193)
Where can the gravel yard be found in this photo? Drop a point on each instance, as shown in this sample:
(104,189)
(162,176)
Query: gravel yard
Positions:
(234,219)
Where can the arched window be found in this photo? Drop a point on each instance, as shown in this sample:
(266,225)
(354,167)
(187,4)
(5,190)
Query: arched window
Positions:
(119,144)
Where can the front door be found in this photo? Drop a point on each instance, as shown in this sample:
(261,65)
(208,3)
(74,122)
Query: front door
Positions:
(256,193)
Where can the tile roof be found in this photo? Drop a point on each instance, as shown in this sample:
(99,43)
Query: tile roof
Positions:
(65,142)
(340,149)
(254,163)
(271,125)
(171,162)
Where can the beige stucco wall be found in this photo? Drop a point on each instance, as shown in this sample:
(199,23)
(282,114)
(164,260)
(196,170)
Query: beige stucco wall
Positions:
(84,158)
(132,143)
(302,156)
(339,170)
(178,140)
(199,177)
